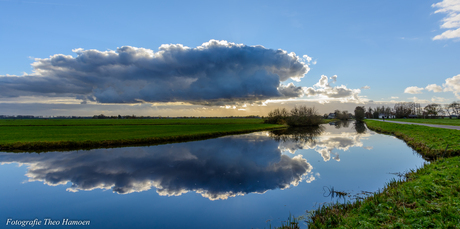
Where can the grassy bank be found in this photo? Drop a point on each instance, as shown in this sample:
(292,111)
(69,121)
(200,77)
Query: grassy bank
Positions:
(428,197)
(449,122)
(428,141)
(44,135)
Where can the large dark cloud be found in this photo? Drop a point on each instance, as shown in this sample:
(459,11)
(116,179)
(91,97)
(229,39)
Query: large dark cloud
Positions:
(215,71)
(218,168)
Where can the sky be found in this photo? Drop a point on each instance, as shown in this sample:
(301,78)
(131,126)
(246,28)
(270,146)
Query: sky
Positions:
(222,58)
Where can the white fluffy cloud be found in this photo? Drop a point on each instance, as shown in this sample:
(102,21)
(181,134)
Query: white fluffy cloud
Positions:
(451,21)
(453,85)
(366,87)
(417,100)
(414,90)
(334,78)
(436,99)
(215,72)
(307,58)
(434,88)
(323,89)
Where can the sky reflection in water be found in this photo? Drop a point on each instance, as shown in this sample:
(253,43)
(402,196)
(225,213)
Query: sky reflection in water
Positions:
(290,167)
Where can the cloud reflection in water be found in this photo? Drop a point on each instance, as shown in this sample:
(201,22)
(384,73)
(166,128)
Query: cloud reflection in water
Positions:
(215,168)
(322,139)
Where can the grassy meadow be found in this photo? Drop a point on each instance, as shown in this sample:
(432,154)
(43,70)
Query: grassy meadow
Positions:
(428,197)
(121,122)
(445,121)
(43,135)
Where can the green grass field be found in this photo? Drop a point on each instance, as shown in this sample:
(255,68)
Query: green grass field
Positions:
(111,122)
(53,134)
(450,122)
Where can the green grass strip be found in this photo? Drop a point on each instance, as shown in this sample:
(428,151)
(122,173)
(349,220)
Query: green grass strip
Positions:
(449,122)
(430,142)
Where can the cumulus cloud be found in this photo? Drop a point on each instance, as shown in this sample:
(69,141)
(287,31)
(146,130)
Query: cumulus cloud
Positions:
(414,90)
(434,88)
(307,58)
(453,85)
(366,87)
(417,100)
(217,169)
(216,71)
(291,90)
(323,89)
(334,78)
(451,21)
(436,99)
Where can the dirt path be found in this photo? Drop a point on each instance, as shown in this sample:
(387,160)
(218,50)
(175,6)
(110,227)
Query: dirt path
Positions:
(423,124)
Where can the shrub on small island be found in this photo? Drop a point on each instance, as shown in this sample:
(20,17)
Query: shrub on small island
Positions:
(299,116)
(359,113)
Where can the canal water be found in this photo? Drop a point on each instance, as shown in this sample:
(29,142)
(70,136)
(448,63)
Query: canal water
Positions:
(240,181)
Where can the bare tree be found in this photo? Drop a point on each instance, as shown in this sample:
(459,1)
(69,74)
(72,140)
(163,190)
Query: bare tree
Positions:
(448,110)
(433,110)
(454,108)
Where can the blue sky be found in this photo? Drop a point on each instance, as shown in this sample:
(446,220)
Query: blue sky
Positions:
(386,45)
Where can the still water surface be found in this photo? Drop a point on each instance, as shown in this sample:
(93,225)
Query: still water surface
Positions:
(240,181)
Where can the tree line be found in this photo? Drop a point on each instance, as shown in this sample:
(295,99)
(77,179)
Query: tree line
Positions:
(308,116)
(413,110)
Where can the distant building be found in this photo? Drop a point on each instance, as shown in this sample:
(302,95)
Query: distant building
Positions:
(331,116)
(387,116)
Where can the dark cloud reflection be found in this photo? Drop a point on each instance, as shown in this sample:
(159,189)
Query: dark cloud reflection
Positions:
(216,168)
